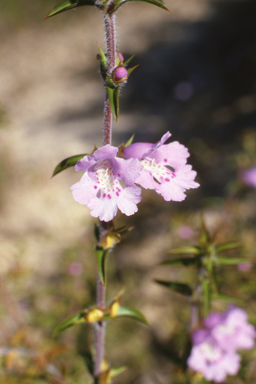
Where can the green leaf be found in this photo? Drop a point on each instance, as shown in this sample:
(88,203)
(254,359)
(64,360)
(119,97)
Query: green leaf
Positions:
(230,261)
(116,371)
(227,246)
(129,142)
(101,263)
(181,261)
(103,63)
(78,318)
(67,163)
(158,3)
(205,236)
(69,4)
(131,313)
(128,60)
(113,94)
(88,358)
(132,69)
(181,288)
(185,251)
(206,296)
(222,297)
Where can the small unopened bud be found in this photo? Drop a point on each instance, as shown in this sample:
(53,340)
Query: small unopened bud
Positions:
(121,57)
(120,74)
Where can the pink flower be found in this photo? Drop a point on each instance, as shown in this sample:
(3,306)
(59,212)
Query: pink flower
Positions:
(244,267)
(208,358)
(233,331)
(185,232)
(214,351)
(248,176)
(164,168)
(99,188)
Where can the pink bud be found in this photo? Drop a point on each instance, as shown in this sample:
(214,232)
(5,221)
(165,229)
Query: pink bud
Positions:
(120,74)
(121,57)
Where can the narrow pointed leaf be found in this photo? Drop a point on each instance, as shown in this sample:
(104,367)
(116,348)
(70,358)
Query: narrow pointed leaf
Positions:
(67,163)
(68,4)
(181,288)
(123,230)
(128,60)
(159,4)
(131,313)
(117,371)
(113,94)
(227,246)
(78,318)
(101,263)
(205,236)
(230,261)
(132,69)
(206,296)
(87,356)
(103,63)
(185,251)
(227,298)
(129,142)
(181,261)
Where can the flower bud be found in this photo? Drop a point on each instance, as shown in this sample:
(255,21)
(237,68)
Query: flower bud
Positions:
(120,74)
(121,57)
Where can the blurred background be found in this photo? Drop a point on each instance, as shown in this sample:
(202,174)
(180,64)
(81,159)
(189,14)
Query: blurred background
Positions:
(197,79)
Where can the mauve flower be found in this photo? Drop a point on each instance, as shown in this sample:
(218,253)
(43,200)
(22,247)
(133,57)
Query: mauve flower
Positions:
(233,331)
(248,176)
(99,188)
(214,351)
(164,167)
(244,267)
(208,358)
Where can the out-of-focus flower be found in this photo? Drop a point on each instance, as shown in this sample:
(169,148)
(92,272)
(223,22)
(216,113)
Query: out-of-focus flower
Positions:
(244,267)
(164,167)
(100,189)
(233,331)
(75,268)
(248,176)
(208,358)
(214,351)
(185,232)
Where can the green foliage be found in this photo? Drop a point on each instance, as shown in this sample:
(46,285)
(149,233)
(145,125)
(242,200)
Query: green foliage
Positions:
(67,163)
(78,318)
(113,95)
(207,257)
(184,289)
(67,5)
(131,313)
(102,255)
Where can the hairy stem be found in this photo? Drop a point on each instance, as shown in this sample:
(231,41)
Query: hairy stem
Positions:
(109,21)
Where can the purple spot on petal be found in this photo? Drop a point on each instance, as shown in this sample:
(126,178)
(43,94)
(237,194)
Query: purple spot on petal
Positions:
(104,194)
(165,160)
(167,179)
(109,196)
(118,175)
(117,193)
(95,187)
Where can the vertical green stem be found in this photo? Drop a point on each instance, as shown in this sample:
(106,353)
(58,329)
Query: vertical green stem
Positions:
(109,21)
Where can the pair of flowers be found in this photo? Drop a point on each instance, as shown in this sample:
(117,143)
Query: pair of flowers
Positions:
(214,351)
(109,182)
